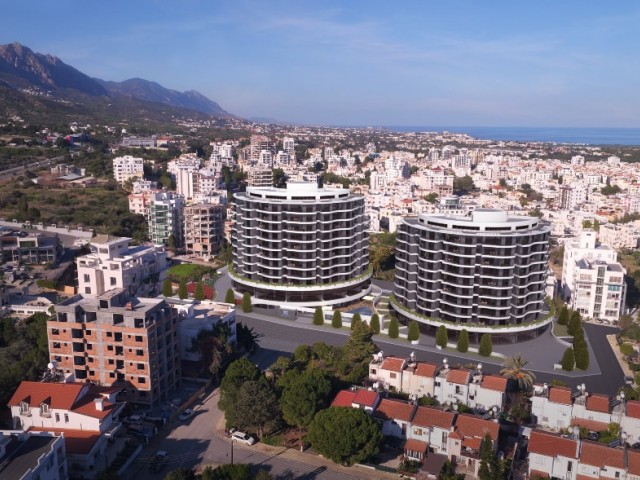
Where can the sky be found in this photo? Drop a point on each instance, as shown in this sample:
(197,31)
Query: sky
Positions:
(360,62)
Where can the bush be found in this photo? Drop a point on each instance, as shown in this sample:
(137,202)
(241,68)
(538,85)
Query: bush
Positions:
(318,317)
(563,317)
(442,337)
(356,319)
(582,357)
(394,328)
(463,341)
(486,346)
(414,331)
(374,323)
(246,303)
(46,283)
(182,290)
(568,360)
(626,349)
(336,320)
(229,297)
(167,288)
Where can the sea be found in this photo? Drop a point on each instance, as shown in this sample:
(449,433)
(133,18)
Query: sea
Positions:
(580,136)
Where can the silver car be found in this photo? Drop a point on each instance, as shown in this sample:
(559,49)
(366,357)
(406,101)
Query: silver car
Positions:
(242,437)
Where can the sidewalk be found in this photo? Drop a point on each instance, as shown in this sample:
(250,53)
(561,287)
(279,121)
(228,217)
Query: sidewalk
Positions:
(619,356)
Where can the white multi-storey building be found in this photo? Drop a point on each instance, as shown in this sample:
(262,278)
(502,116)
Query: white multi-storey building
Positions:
(113,263)
(593,279)
(184,171)
(127,167)
(485,273)
(165,218)
(302,246)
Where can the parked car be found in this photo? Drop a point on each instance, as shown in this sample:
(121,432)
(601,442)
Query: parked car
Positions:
(133,420)
(628,380)
(242,437)
(158,461)
(185,415)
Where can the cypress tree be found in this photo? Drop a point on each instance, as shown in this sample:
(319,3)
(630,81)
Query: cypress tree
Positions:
(375,323)
(357,318)
(575,323)
(167,288)
(414,331)
(199,293)
(486,346)
(336,320)
(442,337)
(182,290)
(246,303)
(318,317)
(563,317)
(229,296)
(568,359)
(463,341)
(582,355)
(394,328)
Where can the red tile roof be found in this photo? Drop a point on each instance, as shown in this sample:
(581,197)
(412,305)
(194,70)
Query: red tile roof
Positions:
(599,455)
(597,402)
(416,445)
(427,417)
(551,445)
(344,398)
(592,425)
(393,364)
(75,441)
(426,370)
(633,408)
(493,382)
(471,442)
(560,395)
(633,462)
(60,396)
(366,398)
(472,426)
(394,410)
(460,376)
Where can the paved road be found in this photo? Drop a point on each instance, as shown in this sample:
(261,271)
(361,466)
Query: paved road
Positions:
(200,442)
(282,337)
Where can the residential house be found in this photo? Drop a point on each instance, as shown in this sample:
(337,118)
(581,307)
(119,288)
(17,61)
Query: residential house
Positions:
(363,399)
(466,438)
(600,461)
(487,391)
(430,428)
(395,416)
(630,421)
(452,386)
(552,406)
(592,411)
(551,455)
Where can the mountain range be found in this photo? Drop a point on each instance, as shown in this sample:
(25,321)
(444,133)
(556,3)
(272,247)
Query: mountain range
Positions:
(42,81)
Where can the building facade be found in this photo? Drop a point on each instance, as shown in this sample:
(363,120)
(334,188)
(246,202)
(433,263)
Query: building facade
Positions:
(127,167)
(165,217)
(118,340)
(302,246)
(484,273)
(204,228)
(112,263)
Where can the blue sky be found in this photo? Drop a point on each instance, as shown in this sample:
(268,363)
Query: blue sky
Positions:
(360,62)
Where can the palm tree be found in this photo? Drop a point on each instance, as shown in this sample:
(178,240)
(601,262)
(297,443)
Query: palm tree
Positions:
(514,369)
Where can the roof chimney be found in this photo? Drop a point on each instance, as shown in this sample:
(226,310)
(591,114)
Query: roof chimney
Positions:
(99,404)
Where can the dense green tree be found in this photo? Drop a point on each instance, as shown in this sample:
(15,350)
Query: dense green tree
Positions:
(463,341)
(575,323)
(414,331)
(582,355)
(237,471)
(305,395)
(344,435)
(514,368)
(246,303)
(182,290)
(356,353)
(230,297)
(238,373)
(247,337)
(336,320)
(563,316)
(486,345)
(394,328)
(442,337)
(256,407)
(357,318)
(167,288)
(374,323)
(318,316)
(568,359)
(180,474)
(199,292)
(431,197)
(463,184)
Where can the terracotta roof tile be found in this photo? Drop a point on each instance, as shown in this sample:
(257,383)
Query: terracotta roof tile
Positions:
(60,396)
(598,403)
(599,455)
(344,398)
(393,364)
(493,382)
(538,474)
(75,441)
(366,398)
(472,426)
(416,445)
(633,462)
(551,445)
(633,408)
(472,442)
(560,395)
(592,425)
(459,376)
(427,417)
(394,410)
(426,370)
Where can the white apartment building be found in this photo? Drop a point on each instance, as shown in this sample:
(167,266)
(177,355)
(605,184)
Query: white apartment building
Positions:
(184,171)
(165,218)
(127,167)
(32,455)
(620,236)
(593,279)
(113,263)
(573,196)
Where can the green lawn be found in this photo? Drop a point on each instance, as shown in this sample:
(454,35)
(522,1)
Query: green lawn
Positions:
(189,271)
(560,330)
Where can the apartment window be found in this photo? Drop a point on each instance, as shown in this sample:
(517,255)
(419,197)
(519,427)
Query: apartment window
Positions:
(57,417)
(109,334)
(86,277)
(111,375)
(139,352)
(141,366)
(373,371)
(114,281)
(138,338)
(417,431)
(392,375)
(87,290)
(66,418)
(111,361)
(110,348)
(142,380)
